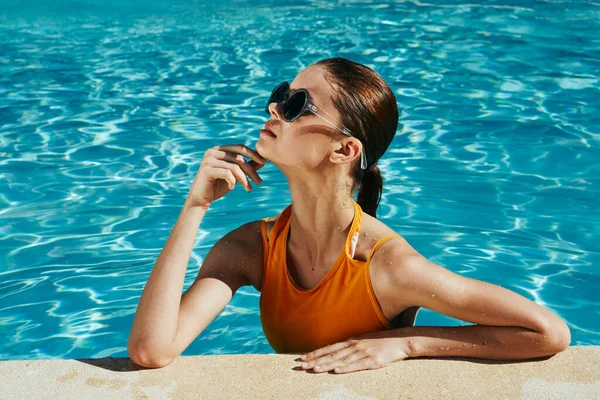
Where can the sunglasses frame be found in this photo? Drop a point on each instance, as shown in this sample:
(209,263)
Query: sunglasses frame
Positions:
(310,106)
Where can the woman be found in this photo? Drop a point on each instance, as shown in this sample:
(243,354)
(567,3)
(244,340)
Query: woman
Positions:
(337,285)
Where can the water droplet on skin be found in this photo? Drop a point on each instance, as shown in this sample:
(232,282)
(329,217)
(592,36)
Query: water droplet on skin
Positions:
(447,348)
(433,295)
(339,227)
(366,234)
(484,343)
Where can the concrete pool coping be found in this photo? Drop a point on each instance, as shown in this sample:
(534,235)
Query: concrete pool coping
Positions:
(572,374)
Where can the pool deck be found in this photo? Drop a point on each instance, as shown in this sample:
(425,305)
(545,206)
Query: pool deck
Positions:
(572,374)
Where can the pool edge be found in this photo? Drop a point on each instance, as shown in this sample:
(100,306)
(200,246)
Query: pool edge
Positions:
(574,373)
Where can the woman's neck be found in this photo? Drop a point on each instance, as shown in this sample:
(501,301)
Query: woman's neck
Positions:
(320,219)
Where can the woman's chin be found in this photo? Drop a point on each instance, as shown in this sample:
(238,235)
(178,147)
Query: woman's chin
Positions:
(261,149)
(268,152)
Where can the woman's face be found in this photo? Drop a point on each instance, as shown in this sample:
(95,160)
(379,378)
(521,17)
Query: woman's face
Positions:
(308,141)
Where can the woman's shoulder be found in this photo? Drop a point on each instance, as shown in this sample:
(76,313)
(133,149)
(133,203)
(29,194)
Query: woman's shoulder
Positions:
(374,232)
(241,251)
(255,228)
(393,304)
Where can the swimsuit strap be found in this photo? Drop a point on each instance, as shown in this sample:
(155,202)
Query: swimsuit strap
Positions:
(280,223)
(380,242)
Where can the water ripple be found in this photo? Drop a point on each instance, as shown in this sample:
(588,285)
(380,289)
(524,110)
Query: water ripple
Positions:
(107,109)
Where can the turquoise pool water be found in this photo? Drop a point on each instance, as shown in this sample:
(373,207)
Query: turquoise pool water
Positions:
(106,110)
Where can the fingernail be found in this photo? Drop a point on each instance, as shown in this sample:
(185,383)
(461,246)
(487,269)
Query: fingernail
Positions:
(304,365)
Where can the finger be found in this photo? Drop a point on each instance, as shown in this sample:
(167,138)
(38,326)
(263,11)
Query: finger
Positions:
(246,167)
(225,174)
(245,151)
(331,357)
(324,350)
(249,168)
(235,169)
(364,363)
(256,165)
(337,359)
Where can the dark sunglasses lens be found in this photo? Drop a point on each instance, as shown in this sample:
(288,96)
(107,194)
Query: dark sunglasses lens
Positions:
(277,95)
(293,106)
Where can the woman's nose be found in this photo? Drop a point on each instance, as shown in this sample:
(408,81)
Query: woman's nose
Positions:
(274,110)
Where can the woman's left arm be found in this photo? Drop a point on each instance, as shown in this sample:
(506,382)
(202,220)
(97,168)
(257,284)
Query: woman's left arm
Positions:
(509,326)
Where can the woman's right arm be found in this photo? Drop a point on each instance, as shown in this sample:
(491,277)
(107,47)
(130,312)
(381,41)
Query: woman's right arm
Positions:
(166,322)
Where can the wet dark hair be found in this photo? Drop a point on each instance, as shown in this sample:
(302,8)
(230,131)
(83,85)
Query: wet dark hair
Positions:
(367,106)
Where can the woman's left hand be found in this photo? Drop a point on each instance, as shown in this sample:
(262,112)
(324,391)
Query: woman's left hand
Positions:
(357,353)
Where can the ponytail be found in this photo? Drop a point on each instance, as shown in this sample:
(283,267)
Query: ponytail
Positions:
(367,106)
(371,187)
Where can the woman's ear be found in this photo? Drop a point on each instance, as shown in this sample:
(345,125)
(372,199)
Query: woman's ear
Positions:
(345,151)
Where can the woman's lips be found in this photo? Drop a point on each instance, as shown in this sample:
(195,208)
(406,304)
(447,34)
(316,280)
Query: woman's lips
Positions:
(267,131)
(269,128)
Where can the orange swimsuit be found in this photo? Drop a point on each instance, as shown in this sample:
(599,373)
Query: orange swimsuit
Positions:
(340,306)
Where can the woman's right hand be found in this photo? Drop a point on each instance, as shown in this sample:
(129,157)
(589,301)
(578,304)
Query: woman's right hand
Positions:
(221,168)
